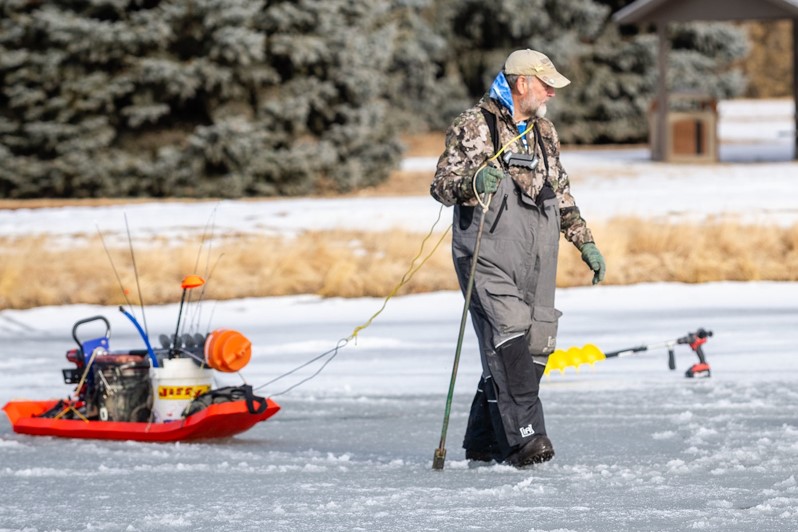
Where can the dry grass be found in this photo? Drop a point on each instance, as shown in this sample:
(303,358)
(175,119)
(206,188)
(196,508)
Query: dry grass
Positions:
(637,251)
(34,272)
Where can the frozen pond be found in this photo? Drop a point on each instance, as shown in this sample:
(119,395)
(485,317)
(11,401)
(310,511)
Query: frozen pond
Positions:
(638,447)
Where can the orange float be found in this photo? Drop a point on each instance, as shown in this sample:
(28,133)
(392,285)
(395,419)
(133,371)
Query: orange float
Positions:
(192,281)
(227,350)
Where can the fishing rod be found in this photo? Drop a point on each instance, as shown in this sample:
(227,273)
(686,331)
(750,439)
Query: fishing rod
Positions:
(129,315)
(190,282)
(136,273)
(113,267)
(208,231)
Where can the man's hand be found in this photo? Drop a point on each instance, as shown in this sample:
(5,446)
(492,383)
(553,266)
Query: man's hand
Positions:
(487,180)
(592,257)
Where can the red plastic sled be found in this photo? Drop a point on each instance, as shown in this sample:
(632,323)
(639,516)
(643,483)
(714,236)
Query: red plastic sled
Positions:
(216,421)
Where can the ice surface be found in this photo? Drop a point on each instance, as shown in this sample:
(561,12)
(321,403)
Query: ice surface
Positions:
(639,447)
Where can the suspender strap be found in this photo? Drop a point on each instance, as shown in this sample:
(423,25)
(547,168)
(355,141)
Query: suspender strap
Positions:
(547,191)
(539,139)
(490,119)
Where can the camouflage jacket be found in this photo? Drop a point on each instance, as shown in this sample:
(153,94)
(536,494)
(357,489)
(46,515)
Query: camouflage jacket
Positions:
(469,145)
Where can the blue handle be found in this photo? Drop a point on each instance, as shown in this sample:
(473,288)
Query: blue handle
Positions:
(153,358)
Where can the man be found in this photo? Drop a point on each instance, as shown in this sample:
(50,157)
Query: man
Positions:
(512,306)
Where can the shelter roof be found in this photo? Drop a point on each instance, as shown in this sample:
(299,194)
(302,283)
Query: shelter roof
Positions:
(691,10)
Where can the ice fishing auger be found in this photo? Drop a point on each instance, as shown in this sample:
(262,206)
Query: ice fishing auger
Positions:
(590,354)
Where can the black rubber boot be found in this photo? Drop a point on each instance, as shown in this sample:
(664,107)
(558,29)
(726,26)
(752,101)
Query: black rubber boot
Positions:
(516,384)
(480,442)
(537,450)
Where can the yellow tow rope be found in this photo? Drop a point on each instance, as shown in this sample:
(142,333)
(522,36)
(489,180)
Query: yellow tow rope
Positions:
(411,271)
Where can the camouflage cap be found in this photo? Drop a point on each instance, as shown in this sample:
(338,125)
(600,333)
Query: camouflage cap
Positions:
(532,63)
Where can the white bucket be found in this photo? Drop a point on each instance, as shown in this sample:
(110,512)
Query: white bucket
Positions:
(175,385)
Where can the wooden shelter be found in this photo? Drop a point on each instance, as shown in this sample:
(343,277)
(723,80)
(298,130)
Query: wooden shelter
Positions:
(661,12)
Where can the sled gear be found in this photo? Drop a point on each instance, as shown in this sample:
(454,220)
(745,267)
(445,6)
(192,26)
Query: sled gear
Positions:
(537,450)
(216,421)
(153,358)
(255,403)
(122,390)
(487,180)
(227,350)
(175,385)
(190,282)
(122,395)
(592,257)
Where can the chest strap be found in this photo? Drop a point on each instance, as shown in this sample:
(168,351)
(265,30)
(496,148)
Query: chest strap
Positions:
(546,192)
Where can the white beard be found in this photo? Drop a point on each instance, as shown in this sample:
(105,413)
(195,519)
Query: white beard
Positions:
(541,112)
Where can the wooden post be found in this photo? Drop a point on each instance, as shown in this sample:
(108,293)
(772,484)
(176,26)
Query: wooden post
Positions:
(659,151)
(795,85)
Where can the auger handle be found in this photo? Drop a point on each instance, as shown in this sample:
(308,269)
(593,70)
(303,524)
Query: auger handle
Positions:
(626,352)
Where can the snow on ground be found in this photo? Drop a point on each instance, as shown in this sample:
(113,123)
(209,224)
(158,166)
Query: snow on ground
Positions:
(639,447)
(606,183)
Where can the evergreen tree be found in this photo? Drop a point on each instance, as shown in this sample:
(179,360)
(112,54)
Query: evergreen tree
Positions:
(261,97)
(613,70)
(201,97)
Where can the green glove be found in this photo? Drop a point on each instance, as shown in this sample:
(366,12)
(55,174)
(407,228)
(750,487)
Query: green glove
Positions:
(487,180)
(592,257)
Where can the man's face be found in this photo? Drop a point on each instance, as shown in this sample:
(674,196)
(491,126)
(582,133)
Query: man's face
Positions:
(534,95)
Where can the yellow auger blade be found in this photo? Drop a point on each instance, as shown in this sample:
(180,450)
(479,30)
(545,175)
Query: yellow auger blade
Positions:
(573,357)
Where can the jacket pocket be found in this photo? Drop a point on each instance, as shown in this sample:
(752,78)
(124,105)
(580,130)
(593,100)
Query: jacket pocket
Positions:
(507,312)
(543,332)
(465,216)
(502,208)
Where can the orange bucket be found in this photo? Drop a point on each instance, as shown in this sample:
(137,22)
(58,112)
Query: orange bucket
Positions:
(227,350)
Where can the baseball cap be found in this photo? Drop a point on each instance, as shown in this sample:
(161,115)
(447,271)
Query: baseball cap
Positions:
(532,63)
